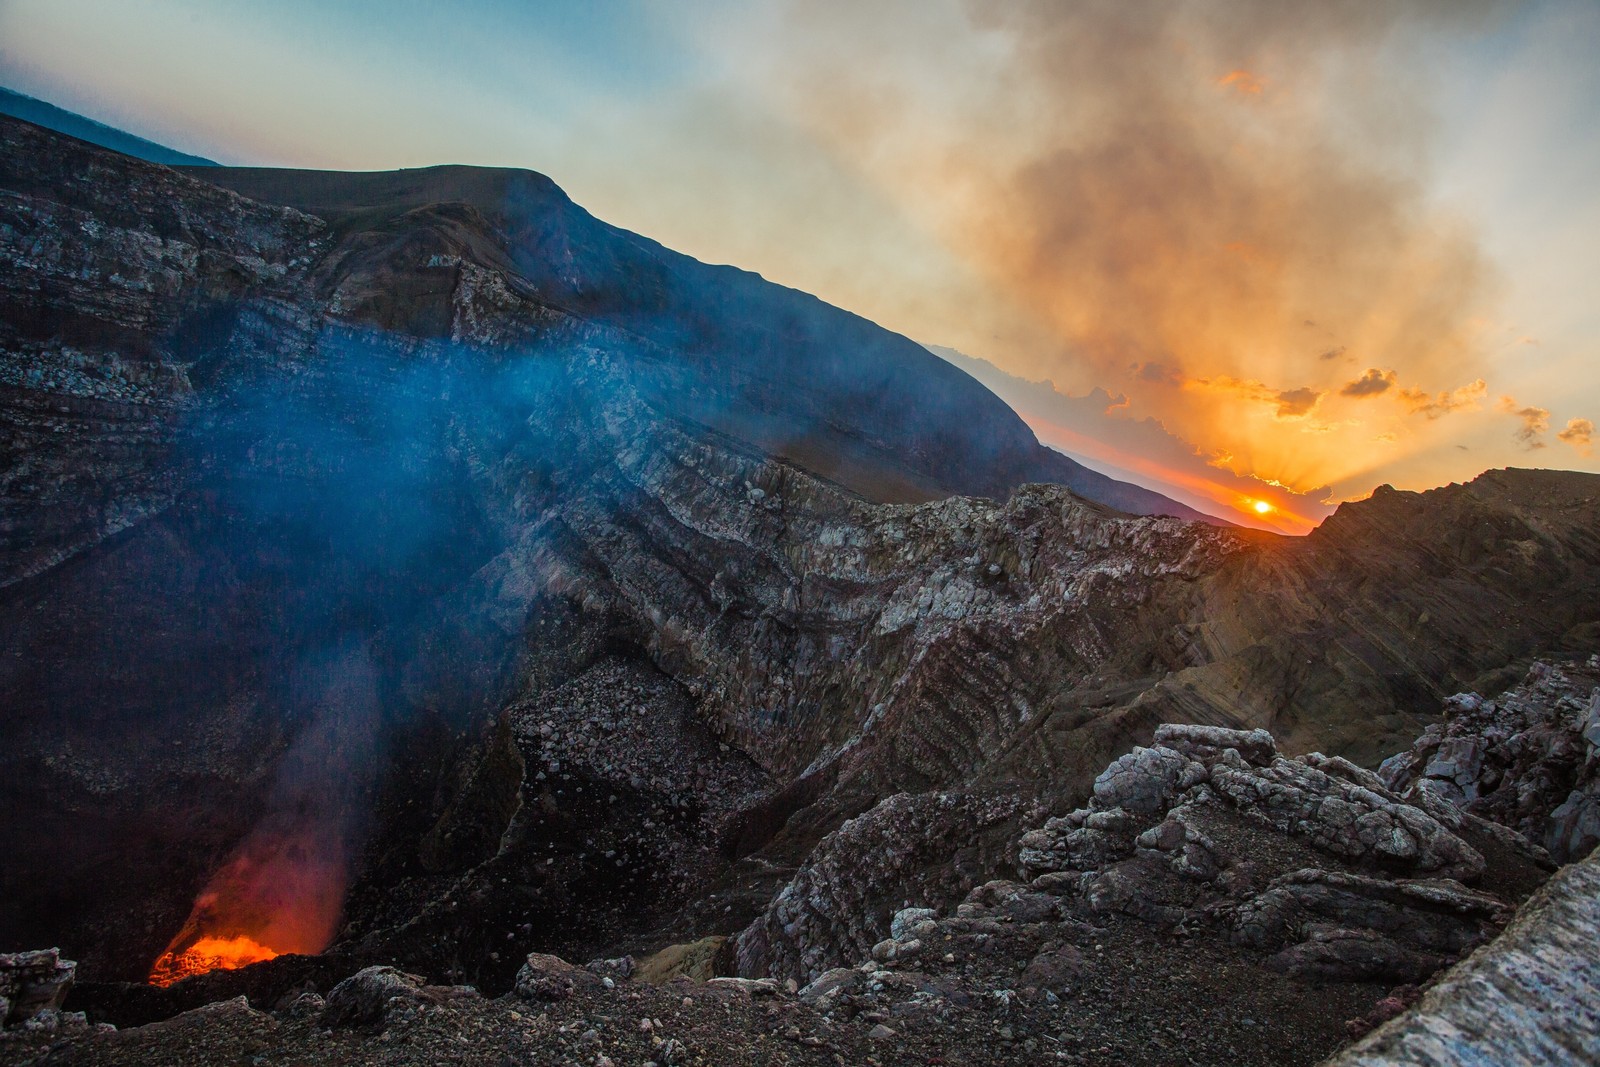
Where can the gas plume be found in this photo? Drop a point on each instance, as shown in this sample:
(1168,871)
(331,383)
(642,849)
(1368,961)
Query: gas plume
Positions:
(1230,193)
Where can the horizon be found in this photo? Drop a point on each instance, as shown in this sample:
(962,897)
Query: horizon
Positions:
(1395,297)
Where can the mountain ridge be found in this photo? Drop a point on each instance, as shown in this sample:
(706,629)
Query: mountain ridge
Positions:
(70,123)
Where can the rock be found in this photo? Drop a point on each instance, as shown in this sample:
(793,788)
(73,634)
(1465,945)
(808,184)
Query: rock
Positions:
(1525,760)
(1145,779)
(881,1032)
(1056,970)
(305,1006)
(831,913)
(752,987)
(368,996)
(32,983)
(907,922)
(671,1053)
(696,960)
(1205,743)
(1326,924)
(1346,819)
(891,951)
(1527,999)
(545,978)
(830,985)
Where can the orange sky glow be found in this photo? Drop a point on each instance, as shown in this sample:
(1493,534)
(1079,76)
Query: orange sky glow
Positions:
(1301,249)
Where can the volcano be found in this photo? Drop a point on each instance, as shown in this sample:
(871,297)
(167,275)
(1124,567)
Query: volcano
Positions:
(410,570)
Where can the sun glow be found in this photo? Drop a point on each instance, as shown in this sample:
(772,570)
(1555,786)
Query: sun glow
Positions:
(1262,507)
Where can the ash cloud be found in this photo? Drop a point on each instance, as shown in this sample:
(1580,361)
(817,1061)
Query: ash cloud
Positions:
(1178,185)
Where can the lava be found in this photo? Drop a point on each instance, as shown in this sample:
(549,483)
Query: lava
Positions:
(280,892)
(208,954)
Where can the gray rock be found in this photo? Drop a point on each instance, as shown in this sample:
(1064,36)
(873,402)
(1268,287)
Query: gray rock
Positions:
(32,983)
(907,921)
(1145,779)
(550,978)
(369,995)
(1326,924)
(1528,999)
(1207,742)
(1526,760)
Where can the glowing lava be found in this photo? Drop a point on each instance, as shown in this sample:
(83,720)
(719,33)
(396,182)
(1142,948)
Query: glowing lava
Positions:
(208,954)
(279,893)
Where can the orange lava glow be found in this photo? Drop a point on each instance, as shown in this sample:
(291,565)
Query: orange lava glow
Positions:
(208,954)
(280,892)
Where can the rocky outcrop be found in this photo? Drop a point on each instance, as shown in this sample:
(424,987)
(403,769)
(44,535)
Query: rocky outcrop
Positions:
(851,890)
(1311,862)
(33,986)
(1527,999)
(1528,759)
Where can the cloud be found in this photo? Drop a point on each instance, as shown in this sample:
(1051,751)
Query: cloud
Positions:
(1372,383)
(1242,81)
(1579,434)
(1098,428)
(1437,405)
(1297,403)
(1157,373)
(1535,423)
(1294,403)
(1182,184)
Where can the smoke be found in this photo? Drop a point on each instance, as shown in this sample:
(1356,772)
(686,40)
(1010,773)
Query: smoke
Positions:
(282,888)
(1225,191)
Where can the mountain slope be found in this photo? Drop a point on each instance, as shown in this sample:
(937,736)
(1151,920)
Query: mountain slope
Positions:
(796,377)
(21,106)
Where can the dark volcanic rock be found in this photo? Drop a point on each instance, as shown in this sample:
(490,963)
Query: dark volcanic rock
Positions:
(32,983)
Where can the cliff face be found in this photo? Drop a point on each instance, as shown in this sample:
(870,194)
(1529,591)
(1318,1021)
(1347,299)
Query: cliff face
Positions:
(446,427)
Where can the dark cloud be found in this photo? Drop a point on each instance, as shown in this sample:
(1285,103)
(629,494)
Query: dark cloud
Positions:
(1158,373)
(1297,403)
(1372,383)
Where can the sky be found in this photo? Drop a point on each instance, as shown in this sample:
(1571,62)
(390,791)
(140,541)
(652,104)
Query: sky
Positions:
(1253,253)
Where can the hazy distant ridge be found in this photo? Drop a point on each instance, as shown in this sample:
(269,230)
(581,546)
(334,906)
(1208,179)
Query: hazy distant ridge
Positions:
(51,117)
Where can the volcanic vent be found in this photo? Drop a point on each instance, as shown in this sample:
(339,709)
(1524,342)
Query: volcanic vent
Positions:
(282,888)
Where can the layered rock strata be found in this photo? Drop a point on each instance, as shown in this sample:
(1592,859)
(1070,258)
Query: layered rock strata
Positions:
(1527,999)
(1528,759)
